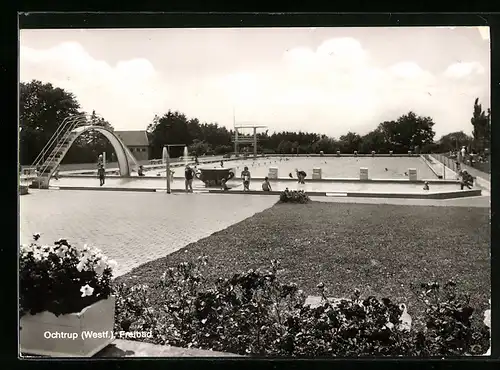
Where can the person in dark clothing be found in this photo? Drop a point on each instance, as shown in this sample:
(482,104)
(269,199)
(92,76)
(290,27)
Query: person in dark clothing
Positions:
(301,175)
(266,186)
(188,175)
(140,172)
(466,180)
(222,164)
(102,175)
(426,185)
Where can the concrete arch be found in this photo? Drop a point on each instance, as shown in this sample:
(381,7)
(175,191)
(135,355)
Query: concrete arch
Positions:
(122,153)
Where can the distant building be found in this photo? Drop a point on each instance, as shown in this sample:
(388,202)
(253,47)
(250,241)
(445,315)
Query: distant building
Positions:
(137,142)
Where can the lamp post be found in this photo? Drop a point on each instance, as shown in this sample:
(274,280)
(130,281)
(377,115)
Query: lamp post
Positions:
(166,159)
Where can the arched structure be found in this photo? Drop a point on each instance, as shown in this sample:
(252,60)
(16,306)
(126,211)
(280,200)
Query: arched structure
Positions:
(123,155)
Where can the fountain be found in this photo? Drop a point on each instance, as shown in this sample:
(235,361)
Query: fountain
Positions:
(185,156)
(212,177)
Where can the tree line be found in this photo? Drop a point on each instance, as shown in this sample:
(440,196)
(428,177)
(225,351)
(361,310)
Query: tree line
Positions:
(43,107)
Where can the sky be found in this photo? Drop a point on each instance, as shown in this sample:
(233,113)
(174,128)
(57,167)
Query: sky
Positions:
(324,80)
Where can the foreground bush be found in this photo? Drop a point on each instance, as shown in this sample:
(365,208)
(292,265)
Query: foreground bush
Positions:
(60,278)
(254,313)
(294,196)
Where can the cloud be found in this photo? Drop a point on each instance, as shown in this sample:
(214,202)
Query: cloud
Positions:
(464,69)
(131,85)
(335,87)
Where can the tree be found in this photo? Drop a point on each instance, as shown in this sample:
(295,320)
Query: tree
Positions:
(42,108)
(408,132)
(171,128)
(199,147)
(325,145)
(90,144)
(374,140)
(482,127)
(285,147)
(454,141)
(350,142)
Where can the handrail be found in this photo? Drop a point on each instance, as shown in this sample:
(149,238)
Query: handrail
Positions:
(51,141)
(72,124)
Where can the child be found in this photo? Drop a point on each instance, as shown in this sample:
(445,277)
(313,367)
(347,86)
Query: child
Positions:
(101,173)
(188,175)
(245,176)
(426,185)
(266,186)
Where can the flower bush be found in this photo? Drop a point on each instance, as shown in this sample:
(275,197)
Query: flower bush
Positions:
(60,278)
(254,313)
(294,196)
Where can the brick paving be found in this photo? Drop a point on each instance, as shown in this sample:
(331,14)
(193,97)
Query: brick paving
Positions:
(132,228)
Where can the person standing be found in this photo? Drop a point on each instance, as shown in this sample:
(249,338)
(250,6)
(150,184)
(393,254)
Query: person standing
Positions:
(102,175)
(245,176)
(188,175)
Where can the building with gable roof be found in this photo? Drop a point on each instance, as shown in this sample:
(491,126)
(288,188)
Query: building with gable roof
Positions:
(137,142)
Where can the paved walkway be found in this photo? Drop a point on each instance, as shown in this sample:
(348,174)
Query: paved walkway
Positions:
(132,228)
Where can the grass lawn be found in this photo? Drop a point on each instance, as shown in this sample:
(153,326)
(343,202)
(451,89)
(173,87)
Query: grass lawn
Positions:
(379,249)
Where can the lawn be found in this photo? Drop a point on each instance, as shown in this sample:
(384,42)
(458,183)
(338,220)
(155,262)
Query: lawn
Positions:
(380,249)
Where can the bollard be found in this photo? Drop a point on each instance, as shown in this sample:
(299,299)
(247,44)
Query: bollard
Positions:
(338,153)
(409,153)
(316,173)
(373,153)
(390,153)
(273,173)
(363,173)
(412,174)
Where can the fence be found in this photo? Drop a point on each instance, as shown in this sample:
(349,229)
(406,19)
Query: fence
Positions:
(451,163)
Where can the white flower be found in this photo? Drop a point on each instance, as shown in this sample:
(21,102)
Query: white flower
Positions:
(86,290)
(112,264)
(82,265)
(99,267)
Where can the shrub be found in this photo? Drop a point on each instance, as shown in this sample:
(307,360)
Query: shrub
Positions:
(294,196)
(254,313)
(60,278)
